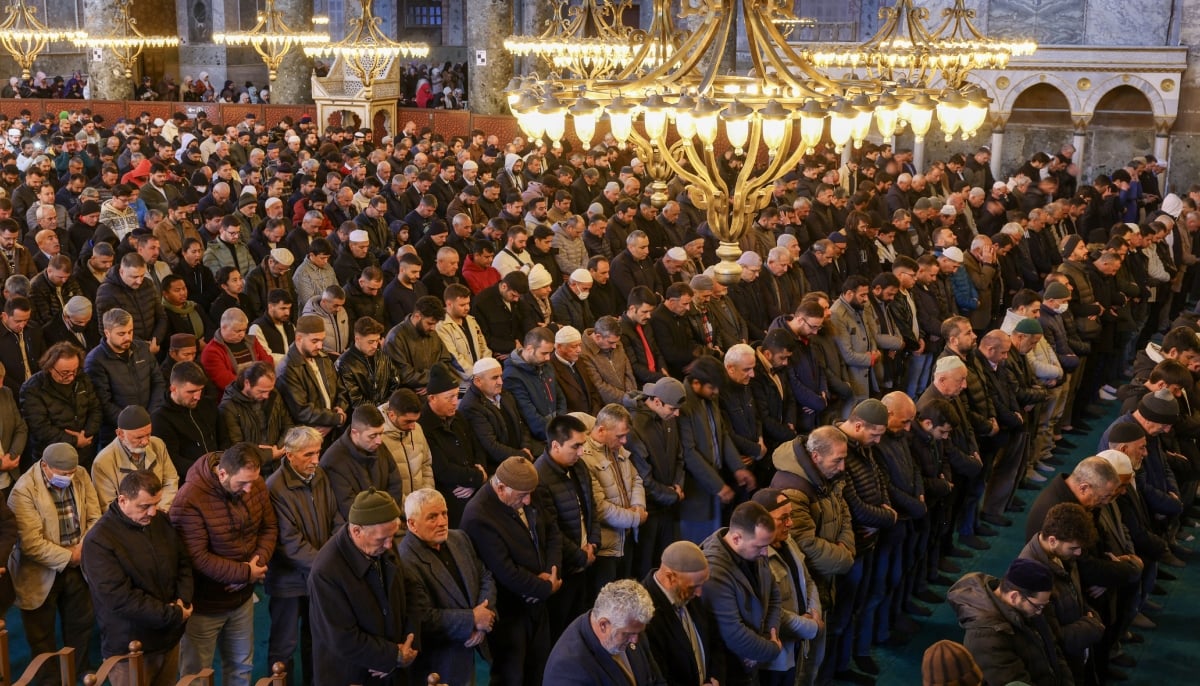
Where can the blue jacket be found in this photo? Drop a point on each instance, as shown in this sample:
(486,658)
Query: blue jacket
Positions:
(537,393)
(966,296)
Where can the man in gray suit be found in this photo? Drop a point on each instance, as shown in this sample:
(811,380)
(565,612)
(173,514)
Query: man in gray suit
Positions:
(456,593)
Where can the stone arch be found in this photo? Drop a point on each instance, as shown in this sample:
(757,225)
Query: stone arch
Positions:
(1158,107)
(1041,104)
(1006,98)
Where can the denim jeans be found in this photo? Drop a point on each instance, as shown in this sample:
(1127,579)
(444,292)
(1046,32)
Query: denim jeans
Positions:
(232,633)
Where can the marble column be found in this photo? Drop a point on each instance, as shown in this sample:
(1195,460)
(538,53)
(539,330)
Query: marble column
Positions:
(107,77)
(918,153)
(1078,140)
(489,22)
(997,150)
(293,81)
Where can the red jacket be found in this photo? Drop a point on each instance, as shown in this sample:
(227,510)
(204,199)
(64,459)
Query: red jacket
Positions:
(218,361)
(222,532)
(478,279)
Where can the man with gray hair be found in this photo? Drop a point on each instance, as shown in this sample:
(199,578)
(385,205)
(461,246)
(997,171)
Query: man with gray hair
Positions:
(599,647)
(460,614)
(307,516)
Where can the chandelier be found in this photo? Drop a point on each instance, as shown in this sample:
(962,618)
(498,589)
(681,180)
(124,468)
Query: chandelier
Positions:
(672,112)
(24,37)
(366,50)
(127,43)
(271,38)
(903,49)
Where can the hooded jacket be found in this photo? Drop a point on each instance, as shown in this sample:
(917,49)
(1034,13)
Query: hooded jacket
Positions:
(820,516)
(1007,646)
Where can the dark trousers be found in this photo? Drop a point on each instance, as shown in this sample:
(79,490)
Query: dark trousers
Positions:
(849,602)
(289,626)
(660,530)
(570,601)
(1006,472)
(69,601)
(520,647)
(899,584)
(874,619)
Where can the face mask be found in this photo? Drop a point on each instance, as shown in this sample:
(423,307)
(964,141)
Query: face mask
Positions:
(59,481)
(1061,308)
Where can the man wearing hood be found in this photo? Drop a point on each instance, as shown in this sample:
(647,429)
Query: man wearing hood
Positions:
(1005,630)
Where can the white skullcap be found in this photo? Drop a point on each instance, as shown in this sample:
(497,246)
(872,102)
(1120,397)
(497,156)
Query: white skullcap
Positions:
(538,277)
(470,164)
(360,236)
(948,363)
(677,254)
(283,256)
(271,202)
(1119,461)
(953,253)
(485,364)
(581,275)
(634,162)
(750,259)
(786,240)
(159,122)
(949,210)
(566,335)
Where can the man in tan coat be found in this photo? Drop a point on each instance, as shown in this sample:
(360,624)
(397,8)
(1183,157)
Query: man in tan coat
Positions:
(55,506)
(132,450)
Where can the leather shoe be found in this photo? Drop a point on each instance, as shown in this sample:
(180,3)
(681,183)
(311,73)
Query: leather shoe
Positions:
(1141,621)
(1133,638)
(1181,550)
(927,596)
(1171,560)
(995,520)
(1065,443)
(1027,485)
(958,552)
(974,542)
(852,677)
(866,664)
(1158,590)
(1164,575)
(1017,502)
(945,565)
(942,580)
(982,529)
(918,610)
(905,625)
(1123,660)
(1151,606)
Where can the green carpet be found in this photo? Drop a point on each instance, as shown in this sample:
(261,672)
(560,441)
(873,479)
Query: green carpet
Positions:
(1163,658)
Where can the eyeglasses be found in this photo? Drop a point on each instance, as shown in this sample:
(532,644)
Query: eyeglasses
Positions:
(1038,607)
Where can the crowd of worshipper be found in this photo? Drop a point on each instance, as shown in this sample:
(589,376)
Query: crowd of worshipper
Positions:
(455,400)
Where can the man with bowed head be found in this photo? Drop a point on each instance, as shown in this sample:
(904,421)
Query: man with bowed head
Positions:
(1005,630)
(678,621)
(363,629)
(522,546)
(599,648)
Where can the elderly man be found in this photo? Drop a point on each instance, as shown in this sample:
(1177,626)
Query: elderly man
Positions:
(132,552)
(523,548)
(224,517)
(231,350)
(569,303)
(308,515)
(307,380)
(603,361)
(678,621)
(457,456)
(741,594)
(365,624)
(134,450)
(599,647)
(55,507)
(459,615)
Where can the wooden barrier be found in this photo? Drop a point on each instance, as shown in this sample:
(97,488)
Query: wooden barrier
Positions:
(202,678)
(137,668)
(66,667)
(278,676)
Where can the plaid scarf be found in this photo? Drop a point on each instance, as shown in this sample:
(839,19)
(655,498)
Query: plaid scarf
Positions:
(68,514)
